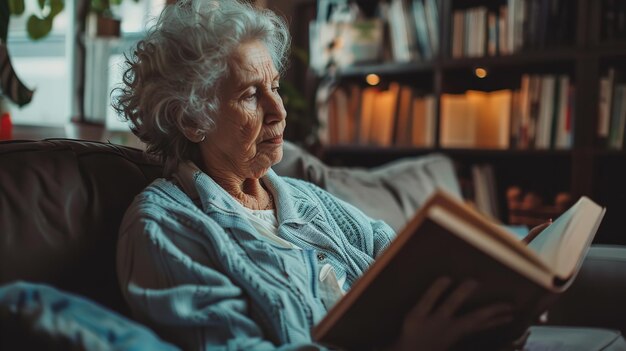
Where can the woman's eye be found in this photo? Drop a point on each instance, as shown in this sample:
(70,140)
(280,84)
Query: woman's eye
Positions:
(276,89)
(250,96)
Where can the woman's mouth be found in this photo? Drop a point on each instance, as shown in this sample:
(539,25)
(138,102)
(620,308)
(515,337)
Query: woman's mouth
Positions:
(275,140)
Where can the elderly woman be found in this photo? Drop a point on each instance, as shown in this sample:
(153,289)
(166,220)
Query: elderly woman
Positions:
(223,252)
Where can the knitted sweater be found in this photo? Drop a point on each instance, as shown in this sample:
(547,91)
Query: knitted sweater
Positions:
(193,267)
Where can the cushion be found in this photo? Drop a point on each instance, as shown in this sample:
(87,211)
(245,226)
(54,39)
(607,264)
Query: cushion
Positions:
(42,317)
(392,192)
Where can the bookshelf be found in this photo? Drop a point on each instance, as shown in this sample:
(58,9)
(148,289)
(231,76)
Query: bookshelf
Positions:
(584,52)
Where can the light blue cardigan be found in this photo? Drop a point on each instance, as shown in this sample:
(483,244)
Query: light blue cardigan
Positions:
(199,274)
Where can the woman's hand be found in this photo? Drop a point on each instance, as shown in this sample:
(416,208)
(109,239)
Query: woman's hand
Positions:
(428,328)
(535,231)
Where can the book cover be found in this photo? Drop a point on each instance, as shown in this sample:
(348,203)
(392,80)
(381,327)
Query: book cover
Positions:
(383,115)
(614,119)
(368,96)
(432,22)
(449,238)
(421,29)
(458,34)
(458,122)
(605,103)
(493,117)
(546,112)
(403,115)
(400,41)
(562,131)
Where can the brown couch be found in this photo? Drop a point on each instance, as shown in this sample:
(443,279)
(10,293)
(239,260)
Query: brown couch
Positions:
(61,203)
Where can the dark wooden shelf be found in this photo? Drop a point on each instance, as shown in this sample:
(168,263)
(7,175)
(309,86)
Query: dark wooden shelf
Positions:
(610,49)
(369,150)
(539,57)
(587,169)
(387,68)
(498,153)
(610,153)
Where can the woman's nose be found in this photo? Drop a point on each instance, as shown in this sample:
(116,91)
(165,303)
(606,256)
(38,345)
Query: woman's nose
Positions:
(274,109)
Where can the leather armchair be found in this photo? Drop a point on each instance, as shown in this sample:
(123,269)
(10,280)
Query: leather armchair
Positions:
(61,203)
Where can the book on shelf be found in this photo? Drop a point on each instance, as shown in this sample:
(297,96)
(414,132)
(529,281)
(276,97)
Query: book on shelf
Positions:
(383,116)
(457,122)
(485,192)
(476,119)
(604,104)
(618,123)
(341,42)
(613,20)
(503,30)
(563,137)
(397,115)
(421,29)
(448,238)
(612,109)
(432,22)
(458,33)
(339,120)
(401,28)
(423,128)
(515,26)
(405,104)
(492,33)
(546,112)
(542,113)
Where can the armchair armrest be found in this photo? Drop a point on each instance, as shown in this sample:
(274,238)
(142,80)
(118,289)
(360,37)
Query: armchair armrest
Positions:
(597,298)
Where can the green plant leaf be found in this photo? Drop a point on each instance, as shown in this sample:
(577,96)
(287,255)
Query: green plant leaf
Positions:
(38,28)
(4,20)
(56,6)
(42,4)
(97,6)
(17,7)
(10,84)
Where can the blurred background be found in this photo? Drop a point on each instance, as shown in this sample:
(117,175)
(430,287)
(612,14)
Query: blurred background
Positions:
(526,96)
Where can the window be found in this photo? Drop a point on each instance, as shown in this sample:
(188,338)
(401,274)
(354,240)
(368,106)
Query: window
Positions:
(41,65)
(45,65)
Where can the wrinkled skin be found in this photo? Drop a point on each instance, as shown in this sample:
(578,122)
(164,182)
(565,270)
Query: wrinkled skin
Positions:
(248,137)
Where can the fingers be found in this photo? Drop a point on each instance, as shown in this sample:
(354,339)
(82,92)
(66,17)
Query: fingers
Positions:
(535,231)
(457,298)
(430,298)
(485,318)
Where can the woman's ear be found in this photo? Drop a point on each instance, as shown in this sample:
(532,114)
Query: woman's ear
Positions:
(195,135)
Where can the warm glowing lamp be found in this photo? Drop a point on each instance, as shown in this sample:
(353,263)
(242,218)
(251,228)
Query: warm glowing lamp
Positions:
(480,72)
(372,79)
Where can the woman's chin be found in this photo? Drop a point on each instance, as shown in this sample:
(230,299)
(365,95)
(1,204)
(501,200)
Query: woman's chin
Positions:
(266,161)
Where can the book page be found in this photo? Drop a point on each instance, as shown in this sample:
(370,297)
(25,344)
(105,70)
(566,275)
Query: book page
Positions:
(562,244)
(547,243)
(577,237)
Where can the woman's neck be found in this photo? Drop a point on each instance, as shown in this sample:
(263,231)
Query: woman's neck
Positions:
(249,192)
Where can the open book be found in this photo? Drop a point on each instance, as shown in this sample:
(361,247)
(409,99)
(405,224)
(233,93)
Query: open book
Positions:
(449,238)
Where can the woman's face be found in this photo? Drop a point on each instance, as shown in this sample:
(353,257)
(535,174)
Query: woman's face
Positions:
(248,136)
